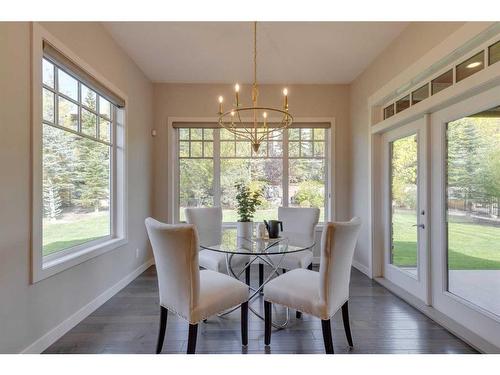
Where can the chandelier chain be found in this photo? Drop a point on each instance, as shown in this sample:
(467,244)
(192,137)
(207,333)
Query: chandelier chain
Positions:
(255,130)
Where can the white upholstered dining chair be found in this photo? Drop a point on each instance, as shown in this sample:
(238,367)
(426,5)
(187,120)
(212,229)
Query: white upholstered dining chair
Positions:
(322,293)
(186,291)
(208,223)
(299,226)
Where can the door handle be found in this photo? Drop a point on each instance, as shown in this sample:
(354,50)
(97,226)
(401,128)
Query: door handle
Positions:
(419,225)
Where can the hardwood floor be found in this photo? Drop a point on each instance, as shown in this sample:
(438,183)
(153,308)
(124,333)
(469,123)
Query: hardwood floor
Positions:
(380,323)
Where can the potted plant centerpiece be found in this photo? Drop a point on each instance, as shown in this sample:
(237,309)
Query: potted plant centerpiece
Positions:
(248,201)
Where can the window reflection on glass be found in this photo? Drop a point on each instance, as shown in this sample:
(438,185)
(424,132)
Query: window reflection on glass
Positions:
(67,114)
(67,84)
(48,73)
(403,103)
(196,169)
(306,186)
(420,94)
(88,97)
(260,170)
(104,107)
(196,179)
(404,203)
(263,173)
(76,167)
(196,134)
(48,105)
(470,66)
(89,121)
(388,111)
(494,53)
(184,134)
(443,81)
(473,208)
(76,190)
(104,130)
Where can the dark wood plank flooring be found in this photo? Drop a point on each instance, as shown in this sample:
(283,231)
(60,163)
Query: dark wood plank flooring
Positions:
(380,323)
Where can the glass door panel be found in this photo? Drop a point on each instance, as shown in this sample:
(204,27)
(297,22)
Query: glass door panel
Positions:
(404,202)
(473,208)
(404,208)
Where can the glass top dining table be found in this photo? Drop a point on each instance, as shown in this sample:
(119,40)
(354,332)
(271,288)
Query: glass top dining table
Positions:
(232,244)
(266,251)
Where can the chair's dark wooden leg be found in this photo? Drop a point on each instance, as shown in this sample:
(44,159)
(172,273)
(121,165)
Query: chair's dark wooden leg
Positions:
(298,314)
(267,322)
(193,333)
(247,275)
(327,336)
(347,326)
(310,267)
(244,323)
(261,274)
(163,327)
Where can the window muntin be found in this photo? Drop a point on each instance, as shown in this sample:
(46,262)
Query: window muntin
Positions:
(235,160)
(77,163)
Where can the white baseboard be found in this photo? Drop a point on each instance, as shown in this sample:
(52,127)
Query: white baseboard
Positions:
(443,320)
(362,268)
(57,332)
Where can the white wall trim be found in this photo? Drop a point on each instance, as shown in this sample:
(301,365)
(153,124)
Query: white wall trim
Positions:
(464,334)
(362,268)
(58,331)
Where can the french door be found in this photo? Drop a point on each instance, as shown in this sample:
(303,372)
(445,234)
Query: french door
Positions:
(404,206)
(466,214)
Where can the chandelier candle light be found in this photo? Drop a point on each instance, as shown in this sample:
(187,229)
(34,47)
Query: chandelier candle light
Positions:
(252,122)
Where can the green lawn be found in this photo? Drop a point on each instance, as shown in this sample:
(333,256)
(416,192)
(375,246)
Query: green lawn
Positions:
(59,235)
(471,246)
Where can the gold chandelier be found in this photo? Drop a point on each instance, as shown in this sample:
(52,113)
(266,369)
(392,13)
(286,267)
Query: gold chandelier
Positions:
(255,123)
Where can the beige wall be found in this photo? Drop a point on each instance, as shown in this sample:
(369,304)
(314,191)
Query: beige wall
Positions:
(417,39)
(29,311)
(200,100)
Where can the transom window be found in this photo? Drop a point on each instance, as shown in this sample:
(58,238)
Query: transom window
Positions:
(289,169)
(77,156)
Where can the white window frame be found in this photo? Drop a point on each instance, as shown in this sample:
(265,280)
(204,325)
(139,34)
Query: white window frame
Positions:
(173,142)
(43,267)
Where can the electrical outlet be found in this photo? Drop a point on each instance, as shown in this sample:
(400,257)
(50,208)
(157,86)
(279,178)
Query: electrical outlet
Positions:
(136,253)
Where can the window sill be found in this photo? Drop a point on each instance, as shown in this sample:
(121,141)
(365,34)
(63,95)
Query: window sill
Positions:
(64,262)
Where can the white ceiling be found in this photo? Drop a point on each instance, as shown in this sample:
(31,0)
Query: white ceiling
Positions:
(221,52)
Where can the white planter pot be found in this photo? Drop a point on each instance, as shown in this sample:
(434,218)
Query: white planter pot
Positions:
(244,229)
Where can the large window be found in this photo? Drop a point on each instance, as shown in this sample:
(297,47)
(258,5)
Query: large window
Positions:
(291,170)
(77,161)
